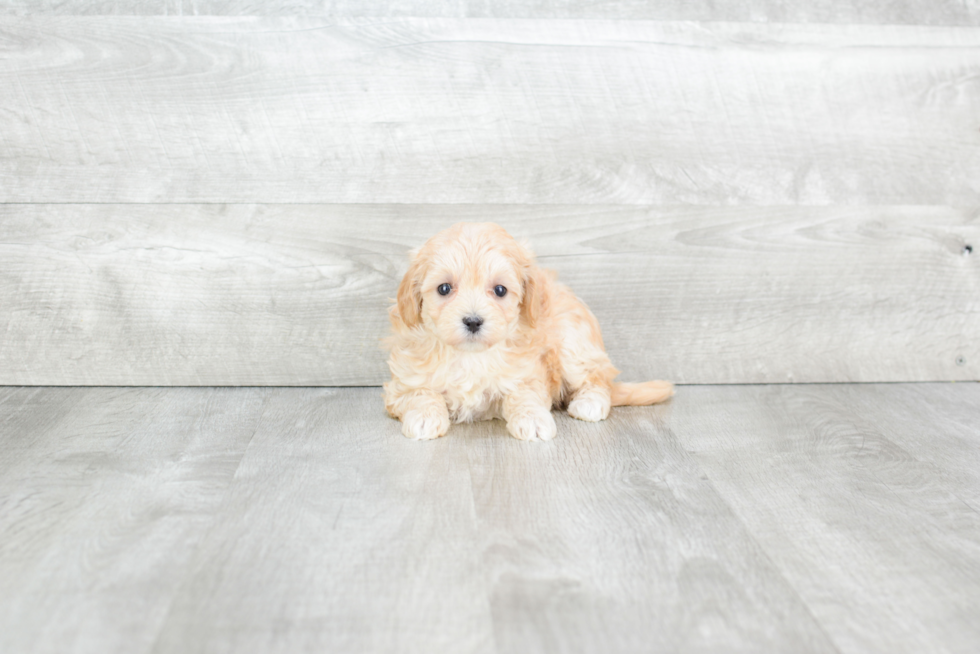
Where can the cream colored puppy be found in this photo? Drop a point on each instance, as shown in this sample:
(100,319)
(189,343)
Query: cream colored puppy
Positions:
(480,332)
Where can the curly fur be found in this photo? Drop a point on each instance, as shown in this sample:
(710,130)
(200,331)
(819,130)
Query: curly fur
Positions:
(538,346)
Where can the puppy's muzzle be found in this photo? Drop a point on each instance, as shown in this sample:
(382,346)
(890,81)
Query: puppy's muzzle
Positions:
(473,323)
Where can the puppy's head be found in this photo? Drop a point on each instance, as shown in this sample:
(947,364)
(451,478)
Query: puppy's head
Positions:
(470,285)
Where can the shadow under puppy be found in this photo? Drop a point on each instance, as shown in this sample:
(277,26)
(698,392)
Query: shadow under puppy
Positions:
(481,332)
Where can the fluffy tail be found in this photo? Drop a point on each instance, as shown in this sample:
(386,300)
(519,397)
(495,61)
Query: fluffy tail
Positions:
(649,392)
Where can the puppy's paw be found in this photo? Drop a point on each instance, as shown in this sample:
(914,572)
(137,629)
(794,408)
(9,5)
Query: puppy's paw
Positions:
(537,425)
(425,424)
(591,407)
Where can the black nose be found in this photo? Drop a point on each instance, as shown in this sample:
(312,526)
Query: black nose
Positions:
(473,323)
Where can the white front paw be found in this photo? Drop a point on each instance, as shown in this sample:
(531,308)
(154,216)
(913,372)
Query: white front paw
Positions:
(538,425)
(425,424)
(591,407)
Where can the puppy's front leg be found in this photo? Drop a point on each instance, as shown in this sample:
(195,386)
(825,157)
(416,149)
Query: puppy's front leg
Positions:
(528,414)
(423,414)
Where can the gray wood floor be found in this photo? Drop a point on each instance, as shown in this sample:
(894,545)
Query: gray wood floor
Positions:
(832,518)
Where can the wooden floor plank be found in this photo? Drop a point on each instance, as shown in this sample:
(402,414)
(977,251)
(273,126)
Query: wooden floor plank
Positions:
(937,424)
(104,495)
(339,534)
(611,539)
(443,110)
(831,518)
(298,294)
(880,544)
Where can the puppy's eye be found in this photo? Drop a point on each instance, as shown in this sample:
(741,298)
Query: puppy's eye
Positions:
(444,289)
(500,291)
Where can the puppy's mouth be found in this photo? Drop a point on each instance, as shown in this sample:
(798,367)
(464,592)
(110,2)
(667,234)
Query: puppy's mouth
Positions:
(472,343)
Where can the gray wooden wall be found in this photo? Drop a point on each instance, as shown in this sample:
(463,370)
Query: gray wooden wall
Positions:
(767,192)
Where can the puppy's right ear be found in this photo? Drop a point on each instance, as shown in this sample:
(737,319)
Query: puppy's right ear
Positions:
(410,293)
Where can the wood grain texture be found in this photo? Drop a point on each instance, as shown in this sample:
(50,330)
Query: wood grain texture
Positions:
(435,110)
(614,541)
(827,518)
(104,496)
(938,12)
(338,534)
(297,295)
(855,492)
(936,425)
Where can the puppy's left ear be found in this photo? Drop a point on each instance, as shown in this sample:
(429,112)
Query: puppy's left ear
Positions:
(531,300)
(410,292)
(534,287)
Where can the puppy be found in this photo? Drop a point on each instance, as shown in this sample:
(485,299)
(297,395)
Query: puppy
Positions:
(480,332)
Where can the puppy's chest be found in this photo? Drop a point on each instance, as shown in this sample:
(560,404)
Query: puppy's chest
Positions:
(474,386)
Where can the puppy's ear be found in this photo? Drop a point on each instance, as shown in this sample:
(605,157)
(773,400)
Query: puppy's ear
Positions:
(533,284)
(410,292)
(532,302)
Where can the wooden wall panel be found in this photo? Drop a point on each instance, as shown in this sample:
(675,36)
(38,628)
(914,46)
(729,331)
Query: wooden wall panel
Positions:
(157,109)
(297,294)
(893,12)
